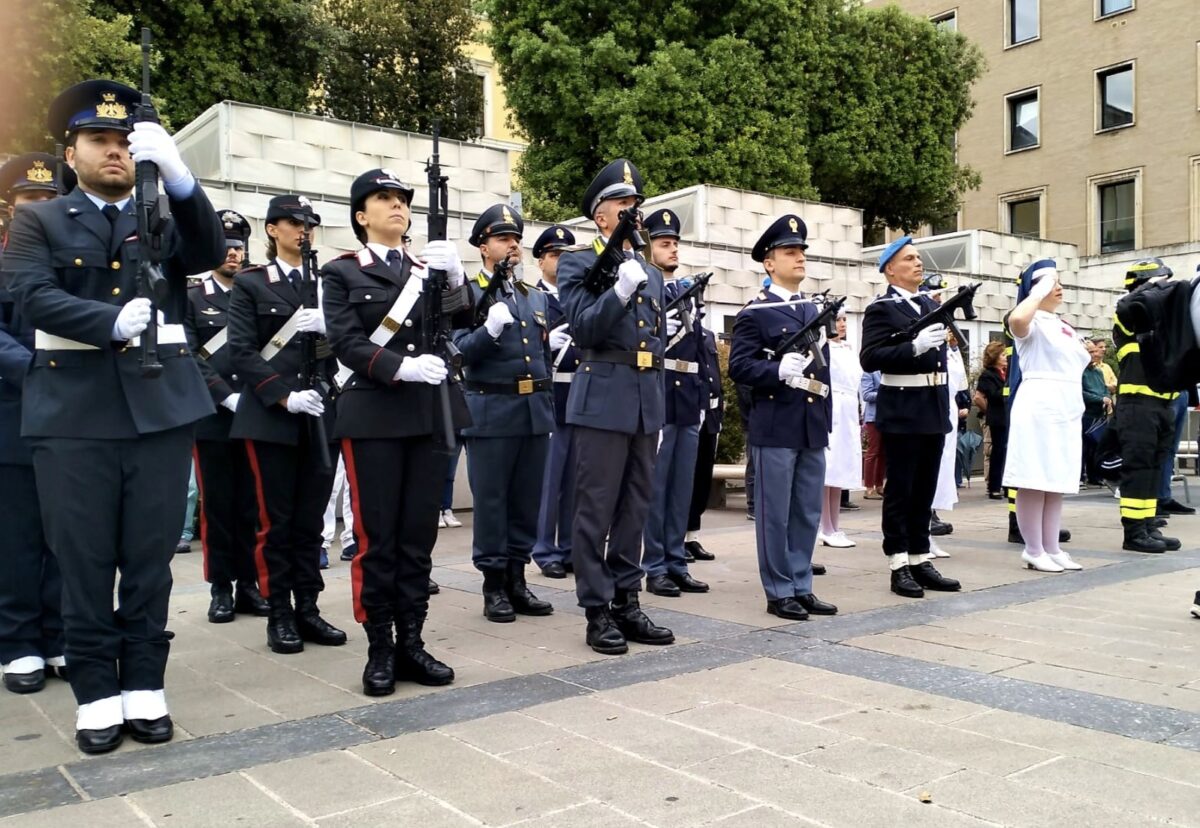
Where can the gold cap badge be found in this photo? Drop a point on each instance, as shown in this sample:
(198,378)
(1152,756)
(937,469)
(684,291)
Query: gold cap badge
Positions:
(666,217)
(39,174)
(507,216)
(558,231)
(792,224)
(109,107)
(628,174)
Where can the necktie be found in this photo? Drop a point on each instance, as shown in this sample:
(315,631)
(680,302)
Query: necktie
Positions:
(294,278)
(393,259)
(111,211)
(795,297)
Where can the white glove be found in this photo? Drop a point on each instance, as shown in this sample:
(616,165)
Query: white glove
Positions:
(150,142)
(443,255)
(559,338)
(673,323)
(133,318)
(305,402)
(793,365)
(1043,287)
(630,275)
(929,338)
(231,401)
(499,317)
(310,320)
(424,368)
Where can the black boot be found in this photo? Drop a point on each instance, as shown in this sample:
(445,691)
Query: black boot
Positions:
(603,636)
(929,578)
(904,585)
(379,676)
(311,626)
(496,606)
(433,588)
(634,624)
(938,527)
(1014,531)
(1172,544)
(519,595)
(220,608)
(413,662)
(249,601)
(282,636)
(1138,538)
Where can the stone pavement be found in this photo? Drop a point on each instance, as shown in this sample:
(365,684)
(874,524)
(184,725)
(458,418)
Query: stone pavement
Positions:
(1027,699)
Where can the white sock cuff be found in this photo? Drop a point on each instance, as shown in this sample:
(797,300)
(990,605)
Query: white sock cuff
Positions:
(691,536)
(897,560)
(143,704)
(57,661)
(25,664)
(100,714)
(917,560)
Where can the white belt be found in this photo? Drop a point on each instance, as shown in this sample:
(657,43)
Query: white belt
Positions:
(913,380)
(563,376)
(681,366)
(167,335)
(812,386)
(282,337)
(215,344)
(714,403)
(397,316)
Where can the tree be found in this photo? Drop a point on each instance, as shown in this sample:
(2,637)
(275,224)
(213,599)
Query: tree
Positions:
(401,65)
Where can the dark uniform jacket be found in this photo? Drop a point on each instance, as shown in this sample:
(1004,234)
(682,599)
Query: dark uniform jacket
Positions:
(1159,315)
(608,395)
(360,289)
(16,350)
(915,409)
(521,352)
(1133,380)
(685,393)
(71,271)
(563,365)
(780,416)
(714,391)
(262,302)
(206,316)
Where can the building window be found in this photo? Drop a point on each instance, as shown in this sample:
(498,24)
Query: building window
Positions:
(1022,21)
(947,22)
(1114,87)
(1107,7)
(1117,214)
(1023,122)
(946,224)
(1023,213)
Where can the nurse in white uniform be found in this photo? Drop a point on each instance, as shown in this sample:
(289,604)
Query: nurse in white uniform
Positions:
(843,456)
(1044,447)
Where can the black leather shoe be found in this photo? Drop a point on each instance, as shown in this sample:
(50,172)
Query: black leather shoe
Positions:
(603,635)
(183,547)
(101,740)
(569,567)
(247,600)
(818,569)
(662,585)
(788,608)
(349,551)
(688,557)
(496,607)
(995,496)
(520,596)
(1139,539)
(687,583)
(634,624)
(1172,544)
(929,578)
(23,683)
(1172,506)
(939,527)
(554,569)
(698,551)
(282,636)
(311,626)
(379,675)
(220,608)
(849,506)
(151,731)
(433,587)
(904,585)
(815,605)
(413,661)
(1064,536)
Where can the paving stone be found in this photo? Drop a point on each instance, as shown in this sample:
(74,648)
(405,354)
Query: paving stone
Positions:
(1118,788)
(882,765)
(413,810)
(101,813)
(504,732)
(587,815)
(937,653)
(217,801)
(762,817)
(756,728)
(34,790)
(328,782)
(654,697)
(1121,688)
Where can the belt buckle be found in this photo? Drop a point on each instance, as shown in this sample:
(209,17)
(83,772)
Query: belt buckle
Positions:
(525,386)
(645,359)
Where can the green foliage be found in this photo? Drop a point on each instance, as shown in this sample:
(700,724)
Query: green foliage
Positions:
(731,442)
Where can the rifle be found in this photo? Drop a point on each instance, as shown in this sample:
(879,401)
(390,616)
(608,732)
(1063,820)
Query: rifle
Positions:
(501,273)
(943,314)
(682,300)
(435,324)
(603,273)
(808,338)
(153,215)
(313,379)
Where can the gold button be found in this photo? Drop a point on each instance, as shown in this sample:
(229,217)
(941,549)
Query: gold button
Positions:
(678,383)
(770,396)
(642,344)
(524,324)
(587,368)
(79,262)
(785,330)
(525,339)
(117,292)
(810,399)
(116,265)
(639,298)
(182,351)
(576,362)
(641,323)
(527,359)
(53,364)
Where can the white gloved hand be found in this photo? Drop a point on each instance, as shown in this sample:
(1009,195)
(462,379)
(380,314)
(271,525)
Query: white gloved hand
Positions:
(305,402)
(630,275)
(499,317)
(443,255)
(133,318)
(673,323)
(310,320)
(424,368)
(231,402)
(1043,287)
(793,365)
(559,338)
(929,338)
(150,142)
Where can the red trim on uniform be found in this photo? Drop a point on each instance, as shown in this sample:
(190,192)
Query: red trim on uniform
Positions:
(214,382)
(360,532)
(371,364)
(264,382)
(264,524)
(203,516)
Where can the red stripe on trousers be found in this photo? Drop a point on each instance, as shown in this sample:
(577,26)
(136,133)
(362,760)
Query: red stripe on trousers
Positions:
(203,517)
(360,532)
(264,524)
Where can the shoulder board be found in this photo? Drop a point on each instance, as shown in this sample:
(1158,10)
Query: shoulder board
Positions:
(255,268)
(195,286)
(344,256)
(575,248)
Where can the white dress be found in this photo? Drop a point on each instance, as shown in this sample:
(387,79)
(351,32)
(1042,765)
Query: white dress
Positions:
(946,494)
(1045,440)
(843,457)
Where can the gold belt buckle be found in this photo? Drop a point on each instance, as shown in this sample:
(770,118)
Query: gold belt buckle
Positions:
(525,386)
(645,359)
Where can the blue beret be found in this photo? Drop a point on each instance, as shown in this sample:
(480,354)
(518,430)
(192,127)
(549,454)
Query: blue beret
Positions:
(891,250)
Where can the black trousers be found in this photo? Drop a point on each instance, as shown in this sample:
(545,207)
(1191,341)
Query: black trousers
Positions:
(112,506)
(291,490)
(1146,429)
(706,456)
(393,486)
(31,589)
(995,476)
(228,511)
(613,482)
(506,474)
(912,462)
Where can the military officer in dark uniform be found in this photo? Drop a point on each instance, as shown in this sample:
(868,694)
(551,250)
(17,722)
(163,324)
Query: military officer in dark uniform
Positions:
(111,445)
(228,506)
(664,559)
(506,361)
(616,408)
(31,640)
(271,311)
(388,415)
(552,552)
(910,413)
(789,423)
(706,452)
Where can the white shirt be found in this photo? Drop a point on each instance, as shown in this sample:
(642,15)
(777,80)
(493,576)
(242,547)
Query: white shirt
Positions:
(101,203)
(382,250)
(908,296)
(781,294)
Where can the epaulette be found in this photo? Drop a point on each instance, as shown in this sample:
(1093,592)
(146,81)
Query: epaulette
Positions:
(344,256)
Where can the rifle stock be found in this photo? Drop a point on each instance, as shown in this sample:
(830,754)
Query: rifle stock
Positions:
(153,214)
(943,314)
(808,338)
(435,326)
(602,275)
(312,362)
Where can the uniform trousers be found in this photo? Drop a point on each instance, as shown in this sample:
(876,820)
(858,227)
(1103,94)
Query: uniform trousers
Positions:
(506,476)
(613,475)
(666,523)
(787,512)
(557,508)
(995,475)
(1145,427)
(291,490)
(228,511)
(912,462)
(112,506)
(706,458)
(1179,409)
(393,487)
(31,588)
(873,462)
